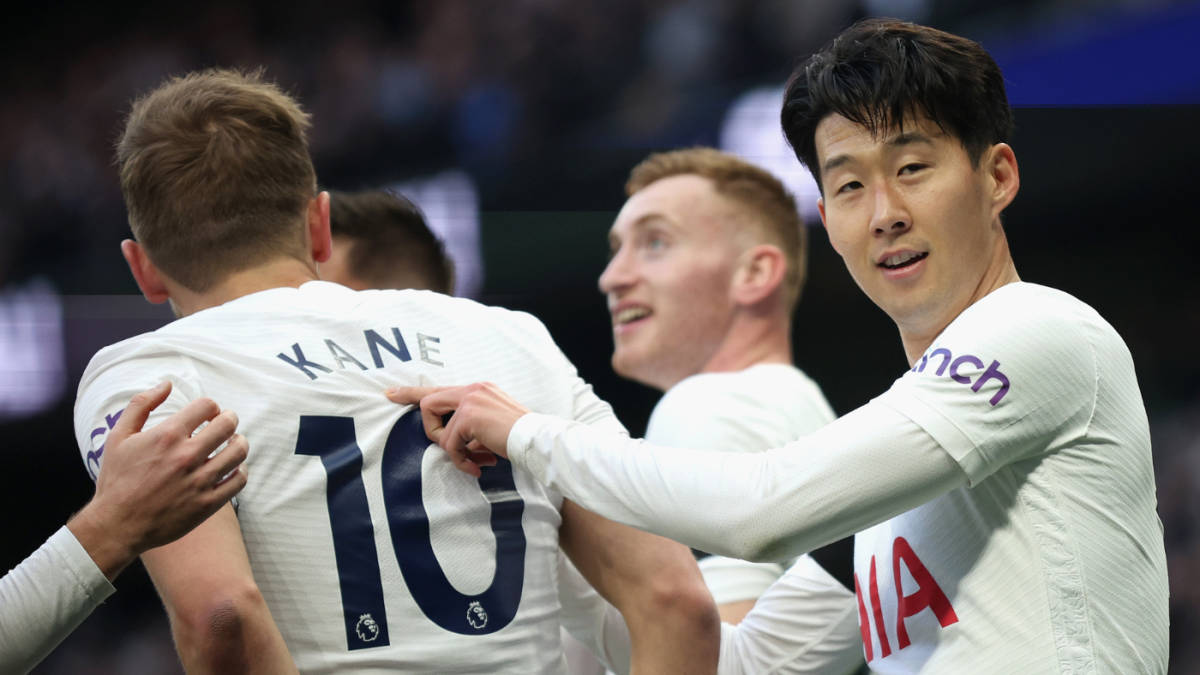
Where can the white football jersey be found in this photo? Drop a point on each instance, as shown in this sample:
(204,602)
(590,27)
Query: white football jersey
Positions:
(764,406)
(373,552)
(1051,559)
(804,621)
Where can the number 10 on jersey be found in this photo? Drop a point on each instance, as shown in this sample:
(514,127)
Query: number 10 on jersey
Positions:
(333,440)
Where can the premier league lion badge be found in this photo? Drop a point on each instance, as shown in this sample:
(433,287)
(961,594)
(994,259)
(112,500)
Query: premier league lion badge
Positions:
(366,629)
(476,616)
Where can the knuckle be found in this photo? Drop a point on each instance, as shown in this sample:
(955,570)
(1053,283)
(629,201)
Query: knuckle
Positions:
(170,433)
(208,406)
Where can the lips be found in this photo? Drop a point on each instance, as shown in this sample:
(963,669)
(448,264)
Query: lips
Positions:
(630,314)
(901,259)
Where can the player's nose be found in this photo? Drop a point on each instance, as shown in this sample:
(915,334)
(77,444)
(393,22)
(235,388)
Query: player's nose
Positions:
(620,273)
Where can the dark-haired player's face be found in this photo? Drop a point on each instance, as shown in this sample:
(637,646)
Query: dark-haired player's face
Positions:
(674,251)
(916,223)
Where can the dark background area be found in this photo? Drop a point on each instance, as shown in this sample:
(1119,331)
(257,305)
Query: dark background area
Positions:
(547,106)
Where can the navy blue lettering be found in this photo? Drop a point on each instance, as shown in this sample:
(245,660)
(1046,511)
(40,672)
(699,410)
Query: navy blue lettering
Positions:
(374,342)
(303,363)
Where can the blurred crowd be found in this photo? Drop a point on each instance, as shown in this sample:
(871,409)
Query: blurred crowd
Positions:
(402,88)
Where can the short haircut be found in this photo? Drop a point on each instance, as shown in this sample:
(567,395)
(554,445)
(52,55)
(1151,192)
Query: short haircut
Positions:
(879,72)
(392,246)
(771,207)
(216,174)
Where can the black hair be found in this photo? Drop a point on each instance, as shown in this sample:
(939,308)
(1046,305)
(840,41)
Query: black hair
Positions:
(879,72)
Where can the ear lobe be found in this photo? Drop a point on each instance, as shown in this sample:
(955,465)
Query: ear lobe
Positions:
(147,276)
(319,236)
(760,274)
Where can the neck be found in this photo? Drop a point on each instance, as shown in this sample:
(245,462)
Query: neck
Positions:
(753,341)
(280,272)
(917,336)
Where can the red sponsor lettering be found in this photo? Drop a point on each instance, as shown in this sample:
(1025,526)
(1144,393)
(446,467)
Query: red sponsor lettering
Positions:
(928,595)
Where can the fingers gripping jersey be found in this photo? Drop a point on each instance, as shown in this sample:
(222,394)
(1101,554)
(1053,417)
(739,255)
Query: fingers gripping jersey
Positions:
(373,553)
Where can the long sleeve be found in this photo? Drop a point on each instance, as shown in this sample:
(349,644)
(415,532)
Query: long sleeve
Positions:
(863,468)
(44,598)
(591,620)
(806,623)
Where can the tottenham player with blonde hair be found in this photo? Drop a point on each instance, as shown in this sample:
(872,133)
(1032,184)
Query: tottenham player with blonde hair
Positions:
(1002,489)
(708,263)
(355,545)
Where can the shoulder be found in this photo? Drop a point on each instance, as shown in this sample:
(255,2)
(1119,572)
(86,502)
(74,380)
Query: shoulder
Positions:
(769,385)
(1017,373)
(1035,329)
(759,407)
(1030,312)
(463,310)
(118,372)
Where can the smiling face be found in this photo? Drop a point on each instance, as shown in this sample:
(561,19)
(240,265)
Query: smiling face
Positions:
(916,222)
(674,251)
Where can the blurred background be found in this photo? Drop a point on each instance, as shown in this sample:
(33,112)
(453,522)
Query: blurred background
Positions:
(513,124)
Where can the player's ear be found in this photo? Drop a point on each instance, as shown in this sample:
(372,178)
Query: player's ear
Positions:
(760,274)
(147,276)
(1001,164)
(319,237)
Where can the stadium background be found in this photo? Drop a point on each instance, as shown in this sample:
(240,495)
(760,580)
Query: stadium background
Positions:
(535,110)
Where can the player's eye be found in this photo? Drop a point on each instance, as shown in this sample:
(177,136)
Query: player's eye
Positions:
(911,168)
(847,187)
(654,243)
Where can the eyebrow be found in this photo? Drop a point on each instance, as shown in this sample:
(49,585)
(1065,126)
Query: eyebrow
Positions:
(906,138)
(909,138)
(643,222)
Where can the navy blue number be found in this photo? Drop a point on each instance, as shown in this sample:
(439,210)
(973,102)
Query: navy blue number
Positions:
(333,440)
(441,602)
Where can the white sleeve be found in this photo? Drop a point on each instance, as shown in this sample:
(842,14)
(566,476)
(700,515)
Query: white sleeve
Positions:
(111,379)
(1010,380)
(592,620)
(732,580)
(806,622)
(44,598)
(860,470)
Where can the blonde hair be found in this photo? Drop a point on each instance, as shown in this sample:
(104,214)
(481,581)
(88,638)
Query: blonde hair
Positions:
(770,205)
(216,174)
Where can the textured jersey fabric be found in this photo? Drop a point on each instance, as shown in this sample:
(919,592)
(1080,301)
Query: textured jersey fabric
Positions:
(806,623)
(761,407)
(1003,488)
(373,552)
(1055,545)
(44,598)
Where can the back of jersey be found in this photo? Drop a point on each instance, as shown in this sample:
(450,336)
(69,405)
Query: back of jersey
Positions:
(373,552)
